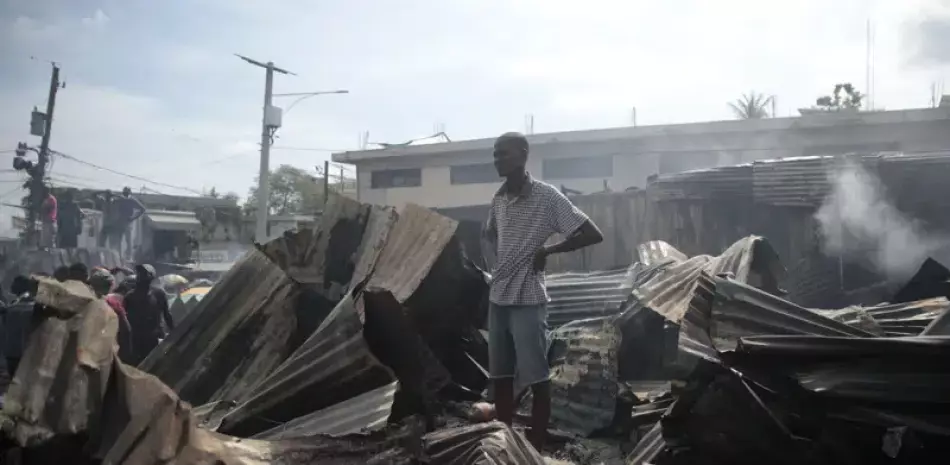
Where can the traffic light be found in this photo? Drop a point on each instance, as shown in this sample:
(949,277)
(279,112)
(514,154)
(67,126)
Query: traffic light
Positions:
(20,163)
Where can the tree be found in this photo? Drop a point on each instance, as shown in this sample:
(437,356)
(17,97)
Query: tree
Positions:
(232,196)
(213,193)
(752,106)
(292,191)
(851,101)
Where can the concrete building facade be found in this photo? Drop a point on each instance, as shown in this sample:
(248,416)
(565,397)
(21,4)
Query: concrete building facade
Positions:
(457,174)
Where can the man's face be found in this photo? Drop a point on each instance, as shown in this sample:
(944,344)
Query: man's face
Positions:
(509,158)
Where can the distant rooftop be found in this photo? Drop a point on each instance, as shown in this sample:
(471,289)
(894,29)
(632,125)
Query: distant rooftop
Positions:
(631,132)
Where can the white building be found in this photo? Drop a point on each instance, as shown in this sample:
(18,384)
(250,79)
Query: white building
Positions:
(455,174)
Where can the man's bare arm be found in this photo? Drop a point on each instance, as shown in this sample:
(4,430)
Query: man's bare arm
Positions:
(586,235)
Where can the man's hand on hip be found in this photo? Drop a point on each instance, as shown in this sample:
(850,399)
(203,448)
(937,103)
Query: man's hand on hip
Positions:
(540,259)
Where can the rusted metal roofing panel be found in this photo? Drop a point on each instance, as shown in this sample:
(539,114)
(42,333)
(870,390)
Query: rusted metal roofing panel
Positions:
(584,385)
(415,242)
(740,310)
(333,365)
(792,182)
(910,318)
(64,370)
(378,226)
(240,331)
(366,412)
(801,181)
(364,344)
(722,183)
(913,181)
(324,257)
(576,296)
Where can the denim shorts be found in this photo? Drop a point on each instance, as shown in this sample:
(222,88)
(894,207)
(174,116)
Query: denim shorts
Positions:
(518,343)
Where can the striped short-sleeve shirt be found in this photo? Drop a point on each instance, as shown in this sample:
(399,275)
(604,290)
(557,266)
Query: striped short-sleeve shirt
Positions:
(519,226)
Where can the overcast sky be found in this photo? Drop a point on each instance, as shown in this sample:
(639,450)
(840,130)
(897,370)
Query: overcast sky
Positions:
(153,89)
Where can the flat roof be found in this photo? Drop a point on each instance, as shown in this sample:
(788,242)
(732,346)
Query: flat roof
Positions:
(632,132)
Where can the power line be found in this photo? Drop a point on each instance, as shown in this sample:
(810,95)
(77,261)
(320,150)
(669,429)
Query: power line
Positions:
(307,149)
(130,176)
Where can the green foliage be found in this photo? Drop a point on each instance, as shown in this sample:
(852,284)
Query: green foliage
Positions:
(851,100)
(752,106)
(292,192)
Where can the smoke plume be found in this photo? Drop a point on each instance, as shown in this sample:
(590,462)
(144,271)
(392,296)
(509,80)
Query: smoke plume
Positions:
(859,221)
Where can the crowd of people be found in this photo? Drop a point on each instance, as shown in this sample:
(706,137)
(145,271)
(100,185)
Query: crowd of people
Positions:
(62,219)
(138,302)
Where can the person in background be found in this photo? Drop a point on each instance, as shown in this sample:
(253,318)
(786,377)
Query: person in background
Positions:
(17,321)
(102,282)
(524,214)
(127,210)
(69,219)
(106,204)
(48,214)
(78,272)
(61,274)
(146,306)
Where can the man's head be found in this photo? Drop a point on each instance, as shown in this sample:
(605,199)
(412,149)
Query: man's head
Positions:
(144,275)
(61,273)
(126,192)
(511,154)
(101,281)
(20,285)
(78,272)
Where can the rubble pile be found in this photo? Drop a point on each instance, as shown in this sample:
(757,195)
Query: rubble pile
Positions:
(361,341)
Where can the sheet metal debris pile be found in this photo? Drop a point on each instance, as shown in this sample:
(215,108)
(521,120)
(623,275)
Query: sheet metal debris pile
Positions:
(334,346)
(759,379)
(358,341)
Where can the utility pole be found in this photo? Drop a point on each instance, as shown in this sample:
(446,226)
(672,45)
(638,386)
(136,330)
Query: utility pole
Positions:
(326,181)
(38,173)
(269,123)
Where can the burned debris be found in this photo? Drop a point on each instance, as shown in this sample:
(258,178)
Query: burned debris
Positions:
(360,342)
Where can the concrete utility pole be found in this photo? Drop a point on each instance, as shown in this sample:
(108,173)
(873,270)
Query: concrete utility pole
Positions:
(326,181)
(38,172)
(270,121)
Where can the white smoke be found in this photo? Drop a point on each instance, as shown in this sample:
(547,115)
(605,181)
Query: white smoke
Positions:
(859,221)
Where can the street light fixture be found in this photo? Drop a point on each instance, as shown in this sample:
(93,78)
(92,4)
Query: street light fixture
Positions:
(305,95)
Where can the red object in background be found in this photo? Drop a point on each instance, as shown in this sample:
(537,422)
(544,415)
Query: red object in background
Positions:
(116,302)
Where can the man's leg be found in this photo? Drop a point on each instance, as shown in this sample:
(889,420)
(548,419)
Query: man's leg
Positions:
(501,361)
(529,328)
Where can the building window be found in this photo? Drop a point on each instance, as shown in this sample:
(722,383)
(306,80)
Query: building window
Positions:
(579,167)
(384,179)
(474,174)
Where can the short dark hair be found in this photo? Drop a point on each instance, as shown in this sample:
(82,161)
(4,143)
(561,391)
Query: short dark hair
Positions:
(516,139)
(79,272)
(61,273)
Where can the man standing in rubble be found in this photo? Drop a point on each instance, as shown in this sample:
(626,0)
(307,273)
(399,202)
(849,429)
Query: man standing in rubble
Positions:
(524,214)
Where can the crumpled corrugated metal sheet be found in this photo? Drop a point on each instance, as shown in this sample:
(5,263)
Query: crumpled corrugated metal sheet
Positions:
(650,446)
(64,371)
(910,318)
(378,227)
(240,331)
(333,365)
(576,296)
(78,388)
(740,310)
(324,257)
(364,344)
(584,383)
(366,412)
(417,239)
(855,316)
